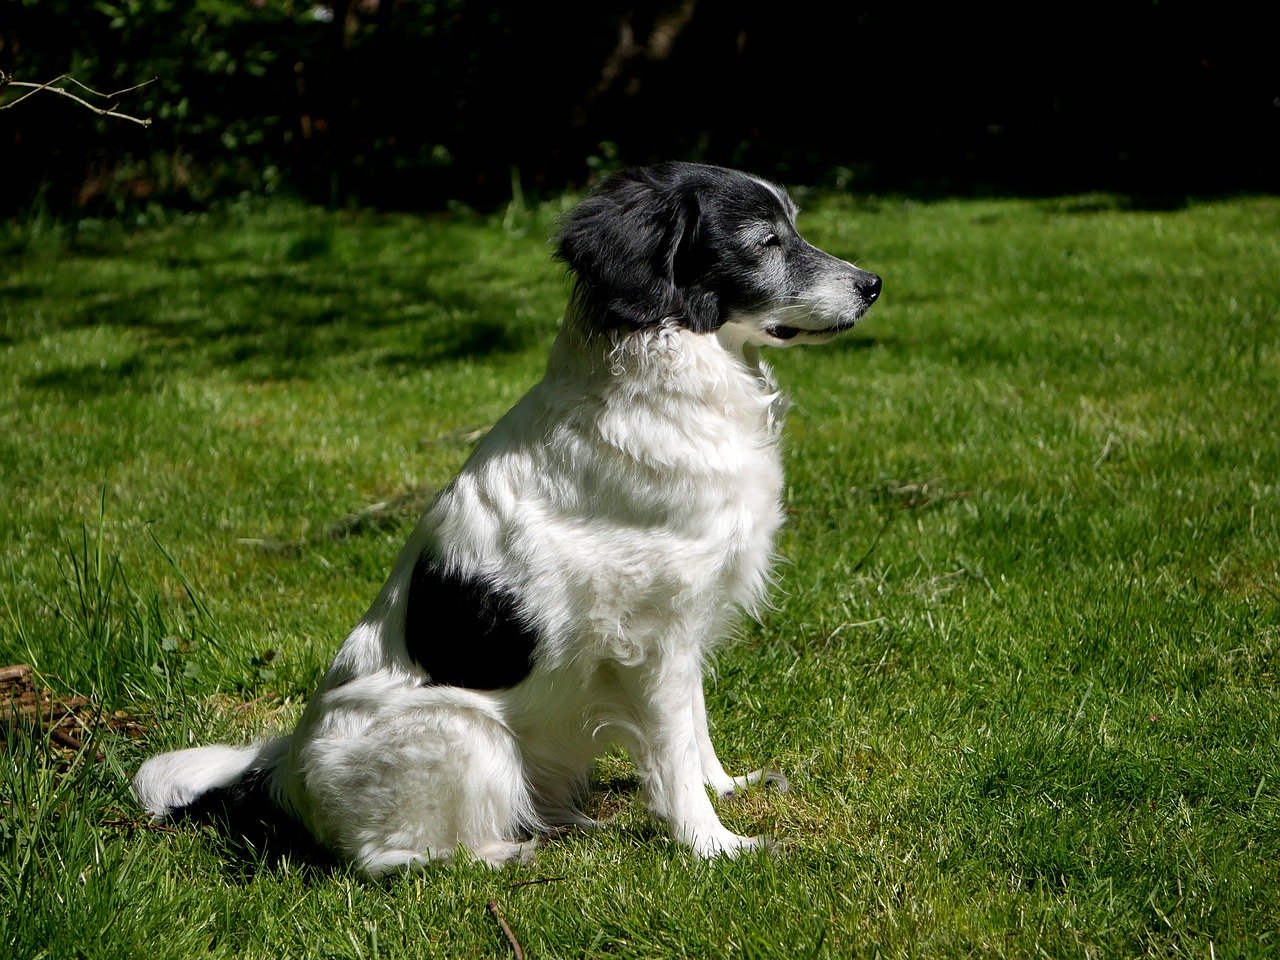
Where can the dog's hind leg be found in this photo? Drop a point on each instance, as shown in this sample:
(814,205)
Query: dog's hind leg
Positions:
(384,861)
(434,774)
(713,772)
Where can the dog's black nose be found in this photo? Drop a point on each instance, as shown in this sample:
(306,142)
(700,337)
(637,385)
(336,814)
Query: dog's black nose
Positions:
(869,287)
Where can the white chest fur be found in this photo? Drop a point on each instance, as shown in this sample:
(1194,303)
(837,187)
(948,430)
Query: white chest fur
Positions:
(631,491)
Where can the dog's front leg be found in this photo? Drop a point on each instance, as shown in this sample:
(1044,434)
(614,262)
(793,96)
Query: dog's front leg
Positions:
(713,772)
(666,746)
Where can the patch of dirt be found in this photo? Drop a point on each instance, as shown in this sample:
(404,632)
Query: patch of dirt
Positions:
(28,709)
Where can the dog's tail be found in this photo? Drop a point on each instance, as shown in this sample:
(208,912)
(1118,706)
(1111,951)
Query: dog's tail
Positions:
(172,782)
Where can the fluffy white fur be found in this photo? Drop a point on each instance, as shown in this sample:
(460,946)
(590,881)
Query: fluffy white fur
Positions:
(631,500)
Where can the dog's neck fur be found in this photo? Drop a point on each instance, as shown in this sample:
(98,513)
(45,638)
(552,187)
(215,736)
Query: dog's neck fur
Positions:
(715,369)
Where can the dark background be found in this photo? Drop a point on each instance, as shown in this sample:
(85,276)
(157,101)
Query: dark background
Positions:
(415,104)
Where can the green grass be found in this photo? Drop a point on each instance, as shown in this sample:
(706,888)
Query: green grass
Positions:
(1022,668)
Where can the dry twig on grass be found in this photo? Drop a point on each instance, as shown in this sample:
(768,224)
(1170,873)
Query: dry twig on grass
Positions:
(534,883)
(28,709)
(51,86)
(516,949)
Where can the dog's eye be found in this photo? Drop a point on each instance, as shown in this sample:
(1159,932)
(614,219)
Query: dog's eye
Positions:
(772,240)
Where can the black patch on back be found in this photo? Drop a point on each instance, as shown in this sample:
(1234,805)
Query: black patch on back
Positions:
(466,632)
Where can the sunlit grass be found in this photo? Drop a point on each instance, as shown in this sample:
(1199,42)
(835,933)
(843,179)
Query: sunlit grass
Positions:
(1021,668)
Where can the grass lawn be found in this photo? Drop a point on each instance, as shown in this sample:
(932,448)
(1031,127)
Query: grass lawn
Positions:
(1022,669)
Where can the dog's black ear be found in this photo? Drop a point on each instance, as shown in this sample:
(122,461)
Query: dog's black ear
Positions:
(628,244)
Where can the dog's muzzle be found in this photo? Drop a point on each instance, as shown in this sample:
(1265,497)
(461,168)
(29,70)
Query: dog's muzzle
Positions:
(866,287)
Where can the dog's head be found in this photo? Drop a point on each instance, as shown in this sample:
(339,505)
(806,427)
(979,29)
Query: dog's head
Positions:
(709,249)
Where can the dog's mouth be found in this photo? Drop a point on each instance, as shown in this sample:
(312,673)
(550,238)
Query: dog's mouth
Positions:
(837,323)
(782,333)
(844,321)
(790,333)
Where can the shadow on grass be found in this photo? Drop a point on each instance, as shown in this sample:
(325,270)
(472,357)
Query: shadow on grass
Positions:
(290,330)
(264,302)
(251,836)
(82,381)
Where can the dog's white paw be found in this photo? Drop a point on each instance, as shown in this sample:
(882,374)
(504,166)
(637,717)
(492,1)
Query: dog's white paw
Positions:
(771,779)
(498,855)
(728,844)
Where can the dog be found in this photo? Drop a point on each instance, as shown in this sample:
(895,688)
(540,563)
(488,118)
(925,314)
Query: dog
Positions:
(564,592)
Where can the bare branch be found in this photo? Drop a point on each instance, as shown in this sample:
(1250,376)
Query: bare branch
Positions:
(114,93)
(51,86)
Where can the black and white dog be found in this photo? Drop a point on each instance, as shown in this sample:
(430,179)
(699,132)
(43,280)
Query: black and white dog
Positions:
(563,593)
